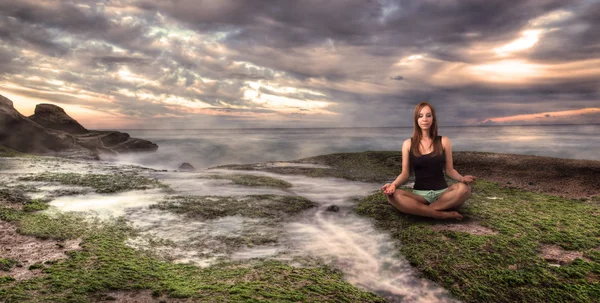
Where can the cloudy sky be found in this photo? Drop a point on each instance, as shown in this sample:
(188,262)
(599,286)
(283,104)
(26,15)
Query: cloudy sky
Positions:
(122,64)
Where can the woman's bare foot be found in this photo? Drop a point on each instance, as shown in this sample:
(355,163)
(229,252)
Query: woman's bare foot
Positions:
(452,215)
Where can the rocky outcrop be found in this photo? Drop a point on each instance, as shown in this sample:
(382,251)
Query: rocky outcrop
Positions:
(114,142)
(52,131)
(53,117)
(21,134)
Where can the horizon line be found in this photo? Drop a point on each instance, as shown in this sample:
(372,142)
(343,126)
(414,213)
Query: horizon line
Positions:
(356,127)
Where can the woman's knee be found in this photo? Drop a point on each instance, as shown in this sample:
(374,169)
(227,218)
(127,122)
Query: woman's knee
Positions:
(398,199)
(463,189)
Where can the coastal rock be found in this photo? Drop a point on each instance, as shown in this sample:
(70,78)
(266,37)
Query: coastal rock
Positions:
(54,117)
(333,208)
(52,131)
(22,134)
(114,142)
(186,167)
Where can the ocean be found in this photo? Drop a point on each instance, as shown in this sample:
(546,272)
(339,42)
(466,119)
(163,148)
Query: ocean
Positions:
(211,147)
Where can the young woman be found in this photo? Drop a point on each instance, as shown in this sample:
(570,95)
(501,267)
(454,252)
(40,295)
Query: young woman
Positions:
(429,155)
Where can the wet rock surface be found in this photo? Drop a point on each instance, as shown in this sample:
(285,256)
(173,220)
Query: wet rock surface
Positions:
(333,208)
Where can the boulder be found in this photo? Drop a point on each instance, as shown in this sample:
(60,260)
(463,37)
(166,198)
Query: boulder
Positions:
(54,117)
(333,208)
(186,167)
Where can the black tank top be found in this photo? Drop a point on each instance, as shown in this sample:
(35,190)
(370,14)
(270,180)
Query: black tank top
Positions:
(429,170)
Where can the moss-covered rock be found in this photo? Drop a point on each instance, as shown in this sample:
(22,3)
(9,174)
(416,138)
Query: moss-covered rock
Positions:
(7,264)
(13,195)
(253,206)
(102,183)
(369,166)
(35,205)
(250,180)
(506,266)
(59,226)
(105,264)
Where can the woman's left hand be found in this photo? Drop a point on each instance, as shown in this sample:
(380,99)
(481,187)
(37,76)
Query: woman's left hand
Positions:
(468,179)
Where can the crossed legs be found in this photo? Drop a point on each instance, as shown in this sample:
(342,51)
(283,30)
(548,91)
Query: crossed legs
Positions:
(443,208)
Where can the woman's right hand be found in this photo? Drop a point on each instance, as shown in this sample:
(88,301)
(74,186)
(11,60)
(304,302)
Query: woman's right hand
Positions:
(388,188)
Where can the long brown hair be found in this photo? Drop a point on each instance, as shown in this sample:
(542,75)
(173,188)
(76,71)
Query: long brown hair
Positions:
(418,135)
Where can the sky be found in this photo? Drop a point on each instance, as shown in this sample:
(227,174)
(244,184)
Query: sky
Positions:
(183,64)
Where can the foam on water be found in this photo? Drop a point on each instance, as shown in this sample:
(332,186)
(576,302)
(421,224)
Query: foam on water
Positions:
(108,205)
(342,239)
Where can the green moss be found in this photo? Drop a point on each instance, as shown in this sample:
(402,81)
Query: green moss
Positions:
(253,206)
(102,183)
(11,195)
(10,214)
(36,266)
(7,264)
(507,266)
(106,264)
(250,180)
(8,153)
(369,166)
(60,226)
(25,188)
(35,205)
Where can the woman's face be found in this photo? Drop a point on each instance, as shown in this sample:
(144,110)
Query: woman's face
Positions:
(425,118)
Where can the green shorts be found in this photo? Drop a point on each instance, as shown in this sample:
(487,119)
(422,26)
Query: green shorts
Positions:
(429,195)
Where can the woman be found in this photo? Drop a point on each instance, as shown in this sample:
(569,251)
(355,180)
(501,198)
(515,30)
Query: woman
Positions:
(428,154)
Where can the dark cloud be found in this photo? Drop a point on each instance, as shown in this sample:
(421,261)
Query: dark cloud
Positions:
(575,38)
(346,52)
(57,14)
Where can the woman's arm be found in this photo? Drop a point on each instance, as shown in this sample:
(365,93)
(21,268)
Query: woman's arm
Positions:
(450,171)
(403,177)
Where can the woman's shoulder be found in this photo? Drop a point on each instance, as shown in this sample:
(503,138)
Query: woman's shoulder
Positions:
(445,140)
(407,142)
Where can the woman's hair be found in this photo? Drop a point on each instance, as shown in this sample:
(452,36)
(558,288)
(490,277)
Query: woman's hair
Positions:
(418,135)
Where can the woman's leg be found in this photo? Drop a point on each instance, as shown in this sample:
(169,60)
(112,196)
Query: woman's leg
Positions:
(453,198)
(416,205)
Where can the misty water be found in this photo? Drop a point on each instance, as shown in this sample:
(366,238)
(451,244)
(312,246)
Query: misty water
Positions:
(368,257)
(206,148)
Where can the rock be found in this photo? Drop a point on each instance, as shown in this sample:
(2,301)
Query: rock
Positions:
(114,142)
(113,138)
(52,131)
(333,208)
(186,167)
(54,117)
(135,145)
(22,134)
